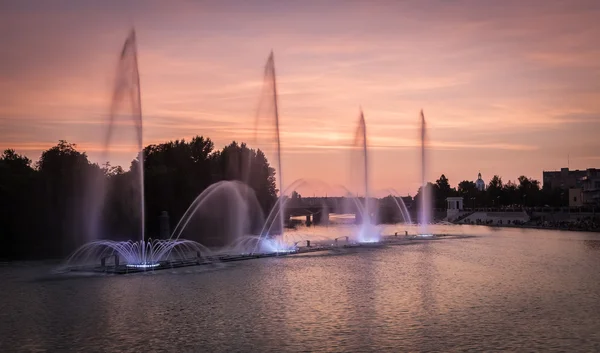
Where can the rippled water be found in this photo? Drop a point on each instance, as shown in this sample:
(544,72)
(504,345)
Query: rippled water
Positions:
(505,289)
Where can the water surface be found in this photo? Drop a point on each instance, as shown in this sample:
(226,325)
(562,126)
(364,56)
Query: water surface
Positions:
(505,289)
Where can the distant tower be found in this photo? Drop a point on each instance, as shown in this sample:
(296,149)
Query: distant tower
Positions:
(479,183)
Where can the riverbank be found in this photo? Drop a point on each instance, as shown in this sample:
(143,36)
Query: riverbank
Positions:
(542,227)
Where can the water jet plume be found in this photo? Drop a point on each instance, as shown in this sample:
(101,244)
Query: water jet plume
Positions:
(125,111)
(425,194)
(267,139)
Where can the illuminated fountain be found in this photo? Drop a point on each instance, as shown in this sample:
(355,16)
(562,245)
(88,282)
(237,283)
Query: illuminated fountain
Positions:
(227,215)
(360,203)
(426,197)
(267,138)
(132,255)
(367,231)
(125,256)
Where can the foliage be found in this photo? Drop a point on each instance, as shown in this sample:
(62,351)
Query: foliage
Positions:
(525,192)
(46,210)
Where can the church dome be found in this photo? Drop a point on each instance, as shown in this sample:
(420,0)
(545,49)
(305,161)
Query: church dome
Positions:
(479,183)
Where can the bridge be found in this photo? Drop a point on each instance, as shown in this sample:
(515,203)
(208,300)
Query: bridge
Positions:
(317,210)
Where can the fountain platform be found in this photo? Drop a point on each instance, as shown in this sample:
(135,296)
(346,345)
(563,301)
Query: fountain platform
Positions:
(211,260)
(172,264)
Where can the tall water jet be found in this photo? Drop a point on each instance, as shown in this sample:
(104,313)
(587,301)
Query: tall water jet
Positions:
(267,130)
(142,254)
(425,202)
(125,104)
(367,231)
(361,140)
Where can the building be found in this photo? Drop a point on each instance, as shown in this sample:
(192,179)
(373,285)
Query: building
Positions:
(455,207)
(583,185)
(564,179)
(576,197)
(591,187)
(479,183)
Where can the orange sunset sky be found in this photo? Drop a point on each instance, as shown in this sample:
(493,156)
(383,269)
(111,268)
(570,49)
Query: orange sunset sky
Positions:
(507,87)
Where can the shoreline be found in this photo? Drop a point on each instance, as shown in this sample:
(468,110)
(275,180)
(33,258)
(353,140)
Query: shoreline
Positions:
(528,226)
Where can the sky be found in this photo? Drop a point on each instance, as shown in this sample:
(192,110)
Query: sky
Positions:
(507,87)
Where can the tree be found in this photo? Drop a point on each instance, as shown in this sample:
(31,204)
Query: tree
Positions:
(529,191)
(466,188)
(68,185)
(495,183)
(553,197)
(47,211)
(443,185)
(510,194)
(494,190)
(15,161)
(176,172)
(430,191)
(472,196)
(17,194)
(442,191)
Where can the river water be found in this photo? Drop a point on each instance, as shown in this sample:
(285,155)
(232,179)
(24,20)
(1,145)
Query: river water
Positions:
(503,289)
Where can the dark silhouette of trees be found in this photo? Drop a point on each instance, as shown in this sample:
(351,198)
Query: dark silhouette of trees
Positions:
(554,197)
(432,192)
(64,175)
(238,162)
(18,183)
(529,191)
(438,193)
(494,191)
(443,191)
(525,192)
(46,208)
(466,188)
(510,194)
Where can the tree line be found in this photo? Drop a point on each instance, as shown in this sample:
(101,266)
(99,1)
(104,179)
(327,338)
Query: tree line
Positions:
(46,207)
(525,192)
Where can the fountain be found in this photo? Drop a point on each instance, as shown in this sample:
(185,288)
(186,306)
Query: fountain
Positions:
(367,231)
(426,200)
(132,255)
(267,138)
(126,90)
(401,205)
(227,215)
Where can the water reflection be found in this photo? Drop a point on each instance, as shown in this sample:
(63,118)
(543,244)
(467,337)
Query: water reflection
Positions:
(323,303)
(362,315)
(427,294)
(507,290)
(592,244)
